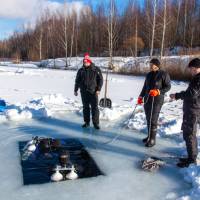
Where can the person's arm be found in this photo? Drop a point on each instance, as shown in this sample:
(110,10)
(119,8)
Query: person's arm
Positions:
(166,84)
(143,92)
(99,79)
(179,95)
(193,91)
(77,81)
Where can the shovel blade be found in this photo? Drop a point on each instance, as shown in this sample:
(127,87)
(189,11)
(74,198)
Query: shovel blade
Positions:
(105,103)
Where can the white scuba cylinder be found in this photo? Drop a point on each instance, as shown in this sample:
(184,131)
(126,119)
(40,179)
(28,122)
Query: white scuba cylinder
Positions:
(28,144)
(72,175)
(57,176)
(31,148)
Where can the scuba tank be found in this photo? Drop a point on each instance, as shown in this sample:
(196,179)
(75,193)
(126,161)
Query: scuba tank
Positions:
(64,158)
(44,146)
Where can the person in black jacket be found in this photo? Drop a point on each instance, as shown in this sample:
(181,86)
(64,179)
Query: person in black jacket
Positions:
(157,83)
(89,79)
(191,113)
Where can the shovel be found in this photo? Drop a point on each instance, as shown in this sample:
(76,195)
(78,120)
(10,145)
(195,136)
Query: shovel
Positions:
(105,102)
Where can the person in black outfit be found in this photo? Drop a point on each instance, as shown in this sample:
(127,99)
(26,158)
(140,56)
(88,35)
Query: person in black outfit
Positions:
(157,83)
(89,79)
(191,113)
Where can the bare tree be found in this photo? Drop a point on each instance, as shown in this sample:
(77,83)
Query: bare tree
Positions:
(73,22)
(164,28)
(130,43)
(157,26)
(178,16)
(38,38)
(185,22)
(63,37)
(65,40)
(136,32)
(153,26)
(112,35)
(40,42)
(193,16)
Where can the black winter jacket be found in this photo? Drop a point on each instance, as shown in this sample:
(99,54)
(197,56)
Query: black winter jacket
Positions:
(191,97)
(89,79)
(156,80)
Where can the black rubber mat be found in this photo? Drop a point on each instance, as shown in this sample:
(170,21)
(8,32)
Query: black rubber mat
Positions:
(38,167)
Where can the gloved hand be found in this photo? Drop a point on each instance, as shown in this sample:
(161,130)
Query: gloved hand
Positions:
(140,101)
(154,92)
(173,96)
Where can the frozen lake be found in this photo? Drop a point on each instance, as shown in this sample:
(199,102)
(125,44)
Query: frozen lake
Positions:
(119,159)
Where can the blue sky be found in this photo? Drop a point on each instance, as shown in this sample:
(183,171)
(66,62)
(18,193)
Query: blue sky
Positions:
(14,13)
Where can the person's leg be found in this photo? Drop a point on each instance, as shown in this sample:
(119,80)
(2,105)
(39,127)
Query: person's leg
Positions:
(147,110)
(86,107)
(189,128)
(189,134)
(95,110)
(191,145)
(153,121)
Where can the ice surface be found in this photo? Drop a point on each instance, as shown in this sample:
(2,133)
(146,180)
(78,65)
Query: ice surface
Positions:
(119,160)
(36,101)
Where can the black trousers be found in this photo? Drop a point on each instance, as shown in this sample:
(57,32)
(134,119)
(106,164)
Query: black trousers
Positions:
(156,105)
(90,103)
(189,127)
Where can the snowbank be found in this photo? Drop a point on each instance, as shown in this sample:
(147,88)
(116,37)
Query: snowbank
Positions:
(192,176)
(45,106)
(21,65)
(53,104)
(170,121)
(103,62)
(115,113)
(125,64)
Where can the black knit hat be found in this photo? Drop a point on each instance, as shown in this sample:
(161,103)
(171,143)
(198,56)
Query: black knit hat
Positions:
(156,62)
(194,63)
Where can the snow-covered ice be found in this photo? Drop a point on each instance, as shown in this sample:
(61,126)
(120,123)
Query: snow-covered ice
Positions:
(119,160)
(41,102)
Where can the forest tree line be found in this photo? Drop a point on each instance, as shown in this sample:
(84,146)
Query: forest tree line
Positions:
(106,30)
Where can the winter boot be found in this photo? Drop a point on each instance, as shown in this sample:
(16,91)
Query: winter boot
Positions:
(86,125)
(145,139)
(96,126)
(152,140)
(186,163)
(183,159)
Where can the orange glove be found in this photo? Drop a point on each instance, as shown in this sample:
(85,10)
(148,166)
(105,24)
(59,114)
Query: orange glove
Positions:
(154,92)
(140,101)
